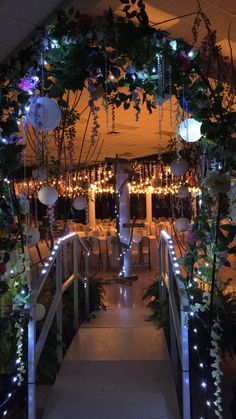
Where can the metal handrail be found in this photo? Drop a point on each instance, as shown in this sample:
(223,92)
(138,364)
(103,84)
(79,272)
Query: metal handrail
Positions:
(35,346)
(179,339)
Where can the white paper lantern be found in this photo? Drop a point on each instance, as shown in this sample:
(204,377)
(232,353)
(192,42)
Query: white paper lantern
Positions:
(39,173)
(44,114)
(32,235)
(47,195)
(182,224)
(136,238)
(183,192)
(79,203)
(190,130)
(24,204)
(155,182)
(40,312)
(179,167)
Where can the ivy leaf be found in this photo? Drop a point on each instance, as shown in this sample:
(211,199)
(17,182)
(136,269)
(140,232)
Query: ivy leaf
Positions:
(71,11)
(123,97)
(126,8)
(126,105)
(132,14)
(149,106)
(230,229)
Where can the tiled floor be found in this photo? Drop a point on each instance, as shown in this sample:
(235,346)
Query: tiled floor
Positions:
(117,366)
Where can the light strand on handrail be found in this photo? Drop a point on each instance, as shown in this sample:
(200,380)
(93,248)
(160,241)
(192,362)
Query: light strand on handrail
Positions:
(177,272)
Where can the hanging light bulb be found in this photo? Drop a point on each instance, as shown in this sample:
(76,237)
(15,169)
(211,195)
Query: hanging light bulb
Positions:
(190,130)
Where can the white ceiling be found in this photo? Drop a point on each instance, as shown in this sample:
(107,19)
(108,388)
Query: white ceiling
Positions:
(18,18)
(132,139)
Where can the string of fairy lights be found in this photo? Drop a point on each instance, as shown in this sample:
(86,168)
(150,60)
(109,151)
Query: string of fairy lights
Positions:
(15,380)
(147,178)
(193,327)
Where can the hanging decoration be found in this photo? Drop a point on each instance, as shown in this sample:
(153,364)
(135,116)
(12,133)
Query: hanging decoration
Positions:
(155,182)
(24,205)
(47,195)
(183,192)
(32,236)
(51,220)
(190,130)
(182,224)
(40,312)
(179,167)
(80,203)
(40,174)
(44,113)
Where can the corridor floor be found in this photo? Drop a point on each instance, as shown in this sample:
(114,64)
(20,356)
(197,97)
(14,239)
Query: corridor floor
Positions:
(117,366)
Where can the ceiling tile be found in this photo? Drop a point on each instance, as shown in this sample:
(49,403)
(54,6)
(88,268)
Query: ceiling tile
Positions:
(10,36)
(32,11)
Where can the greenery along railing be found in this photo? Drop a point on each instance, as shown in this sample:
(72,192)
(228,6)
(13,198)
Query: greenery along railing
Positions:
(171,284)
(66,274)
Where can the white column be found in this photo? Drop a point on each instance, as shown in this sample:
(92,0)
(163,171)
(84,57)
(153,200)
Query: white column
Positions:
(149,206)
(124,213)
(92,211)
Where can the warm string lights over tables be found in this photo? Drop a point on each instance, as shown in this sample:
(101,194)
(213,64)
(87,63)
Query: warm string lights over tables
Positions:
(144,178)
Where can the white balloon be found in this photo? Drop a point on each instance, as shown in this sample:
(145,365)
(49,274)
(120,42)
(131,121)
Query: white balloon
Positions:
(79,203)
(155,182)
(44,114)
(47,195)
(183,192)
(182,224)
(40,312)
(24,204)
(179,167)
(190,130)
(136,238)
(32,235)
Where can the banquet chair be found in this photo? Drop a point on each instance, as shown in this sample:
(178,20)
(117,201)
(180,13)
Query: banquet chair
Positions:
(135,254)
(145,256)
(113,252)
(95,250)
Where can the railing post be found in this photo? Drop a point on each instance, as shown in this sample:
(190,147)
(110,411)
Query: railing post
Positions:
(59,307)
(86,282)
(32,364)
(162,286)
(75,284)
(178,325)
(173,343)
(185,365)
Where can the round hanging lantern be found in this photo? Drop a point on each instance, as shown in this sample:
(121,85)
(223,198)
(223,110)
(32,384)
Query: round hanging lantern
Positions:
(182,224)
(40,312)
(47,195)
(155,182)
(179,167)
(136,238)
(79,203)
(32,235)
(183,192)
(39,173)
(45,114)
(190,130)
(24,205)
